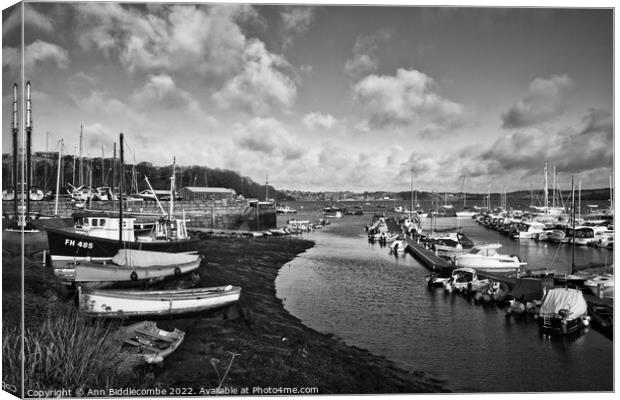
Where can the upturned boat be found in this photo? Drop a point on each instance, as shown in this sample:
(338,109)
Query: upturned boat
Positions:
(146,342)
(137,265)
(128,304)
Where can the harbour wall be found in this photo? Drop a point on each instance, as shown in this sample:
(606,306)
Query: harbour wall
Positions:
(221,214)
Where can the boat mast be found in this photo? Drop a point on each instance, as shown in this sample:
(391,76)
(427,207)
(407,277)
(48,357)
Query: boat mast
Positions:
(489,199)
(102,167)
(114,168)
(579,199)
(411,209)
(58,179)
(611,195)
(267,188)
(172,188)
(553,196)
(120,194)
(81,173)
(28,147)
(546,190)
(572,184)
(15,151)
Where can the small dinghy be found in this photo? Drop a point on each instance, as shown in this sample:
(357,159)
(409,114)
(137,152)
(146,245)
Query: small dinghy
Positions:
(145,341)
(131,303)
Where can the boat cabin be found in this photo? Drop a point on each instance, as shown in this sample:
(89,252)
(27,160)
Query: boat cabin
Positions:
(486,250)
(108,227)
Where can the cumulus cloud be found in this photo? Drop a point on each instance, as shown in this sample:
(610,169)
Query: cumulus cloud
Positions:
(544,100)
(33,20)
(261,85)
(364,60)
(407,99)
(575,150)
(267,136)
(318,121)
(35,54)
(162,90)
(204,39)
(296,19)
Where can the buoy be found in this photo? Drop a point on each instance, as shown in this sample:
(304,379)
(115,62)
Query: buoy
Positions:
(586,322)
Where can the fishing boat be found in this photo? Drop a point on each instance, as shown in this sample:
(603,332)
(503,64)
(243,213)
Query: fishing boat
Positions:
(137,265)
(145,341)
(95,237)
(485,257)
(127,303)
(563,311)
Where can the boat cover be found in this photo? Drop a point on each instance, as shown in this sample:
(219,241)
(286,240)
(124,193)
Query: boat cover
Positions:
(564,299)
(529,288)
(144,258)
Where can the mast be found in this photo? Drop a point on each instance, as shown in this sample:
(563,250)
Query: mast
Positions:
(28,147)
(114,169)
(74,160)
(464,193)
(411,209)
(47,139)
(489,199)
(572,184)
(81,171)
(546,190)
(15,150)
(579,199)
(172,188)
(102,167)
(58,179)
(120,195)
(267,188)
(611,195)
(553,196)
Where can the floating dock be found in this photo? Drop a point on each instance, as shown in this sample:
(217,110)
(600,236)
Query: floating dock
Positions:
(428,258)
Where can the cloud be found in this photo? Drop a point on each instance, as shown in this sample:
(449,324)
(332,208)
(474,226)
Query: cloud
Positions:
(407,99)
(574,150)
(297,19)
(545,99)
(33,20)
(35,53)
(267,136)
(318,121)
(203,39)
(365,59)
(161,90)
(261,85)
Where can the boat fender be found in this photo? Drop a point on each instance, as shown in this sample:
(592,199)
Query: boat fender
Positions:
(134,276)
(177,271)
(586,322)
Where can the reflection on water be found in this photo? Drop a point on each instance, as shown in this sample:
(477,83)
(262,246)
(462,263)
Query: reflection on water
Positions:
(371,299)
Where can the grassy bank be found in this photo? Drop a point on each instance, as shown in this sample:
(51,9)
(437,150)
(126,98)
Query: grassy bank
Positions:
(271,348)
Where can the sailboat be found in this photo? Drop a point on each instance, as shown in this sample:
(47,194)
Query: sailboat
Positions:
(465,213)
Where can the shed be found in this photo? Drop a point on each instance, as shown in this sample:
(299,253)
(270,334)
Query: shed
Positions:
(206,193)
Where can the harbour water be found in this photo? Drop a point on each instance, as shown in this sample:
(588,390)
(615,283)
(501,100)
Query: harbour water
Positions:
(360,293)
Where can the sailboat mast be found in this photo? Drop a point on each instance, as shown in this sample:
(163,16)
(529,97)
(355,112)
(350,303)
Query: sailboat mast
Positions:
(546,190)
(28,147)
(611,195)
(572,184)
(411,209)
(553,196)
(172,187)
(579,199)
(81,173)
(102,167)
(120,193)
(58,179)
(15,150)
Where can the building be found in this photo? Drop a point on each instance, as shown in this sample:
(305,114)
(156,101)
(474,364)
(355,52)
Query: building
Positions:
(206,193)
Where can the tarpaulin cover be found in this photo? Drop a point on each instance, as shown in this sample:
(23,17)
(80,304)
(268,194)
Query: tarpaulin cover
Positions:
(143,258)
(564,299)
(529,288)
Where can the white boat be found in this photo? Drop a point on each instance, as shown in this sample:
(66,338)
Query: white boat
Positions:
(465,214)
(563,311)
(137,265)
(128,303)
(285,210)
(528,230)
(146,342)
(484,257)
(104,193)
(601,285)
(464,279)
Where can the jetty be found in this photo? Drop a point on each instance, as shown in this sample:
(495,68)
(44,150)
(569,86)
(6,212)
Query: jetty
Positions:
(427,257)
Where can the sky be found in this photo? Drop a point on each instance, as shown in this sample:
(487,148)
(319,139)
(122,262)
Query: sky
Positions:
(325,98)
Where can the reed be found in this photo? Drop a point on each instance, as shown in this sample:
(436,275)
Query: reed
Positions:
(66,350)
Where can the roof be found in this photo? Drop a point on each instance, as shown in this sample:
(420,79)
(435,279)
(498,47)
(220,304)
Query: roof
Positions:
(202,189)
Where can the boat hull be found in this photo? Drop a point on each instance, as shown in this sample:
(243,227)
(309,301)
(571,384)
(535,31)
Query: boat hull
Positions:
(94,272)
(66,245)
(127,304)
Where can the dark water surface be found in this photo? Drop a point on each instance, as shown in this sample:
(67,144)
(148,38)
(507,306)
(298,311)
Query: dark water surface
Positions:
(371,299)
